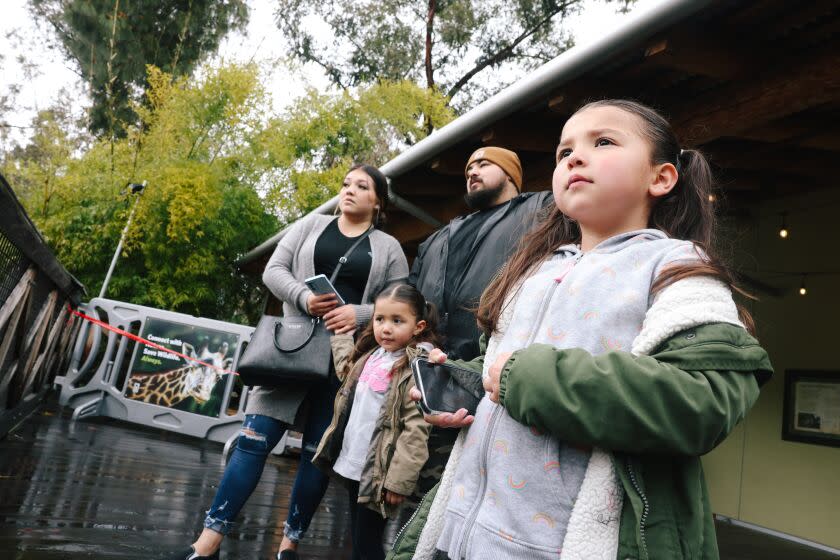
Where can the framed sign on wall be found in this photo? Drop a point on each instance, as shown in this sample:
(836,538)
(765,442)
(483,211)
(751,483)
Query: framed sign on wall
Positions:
(812,407)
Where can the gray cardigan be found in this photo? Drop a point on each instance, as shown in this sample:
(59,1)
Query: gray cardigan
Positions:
(292,262)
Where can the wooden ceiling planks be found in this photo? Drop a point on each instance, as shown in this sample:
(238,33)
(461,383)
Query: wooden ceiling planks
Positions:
(753,84)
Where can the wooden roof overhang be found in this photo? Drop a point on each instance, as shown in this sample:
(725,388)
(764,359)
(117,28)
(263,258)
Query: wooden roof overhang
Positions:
(755,85)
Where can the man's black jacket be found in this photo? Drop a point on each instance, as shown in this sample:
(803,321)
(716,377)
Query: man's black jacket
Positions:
(494,243)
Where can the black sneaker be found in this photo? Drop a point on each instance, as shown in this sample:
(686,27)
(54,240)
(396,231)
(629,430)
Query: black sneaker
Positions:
(191,554)
(287,555)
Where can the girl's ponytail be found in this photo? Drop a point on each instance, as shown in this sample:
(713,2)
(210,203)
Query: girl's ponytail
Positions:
(687,212)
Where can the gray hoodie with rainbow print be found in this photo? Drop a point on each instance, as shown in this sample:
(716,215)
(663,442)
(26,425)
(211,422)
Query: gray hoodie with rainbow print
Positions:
(514,489)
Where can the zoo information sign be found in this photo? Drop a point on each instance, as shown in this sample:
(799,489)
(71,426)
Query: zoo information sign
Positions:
(168,379)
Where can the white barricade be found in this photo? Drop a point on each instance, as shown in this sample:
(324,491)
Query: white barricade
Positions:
(182,382)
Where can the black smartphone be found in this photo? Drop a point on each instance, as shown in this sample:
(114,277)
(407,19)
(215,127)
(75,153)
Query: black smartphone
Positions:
(445,387)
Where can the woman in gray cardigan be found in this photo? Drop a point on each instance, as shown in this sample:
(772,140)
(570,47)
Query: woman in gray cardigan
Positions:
(312,246)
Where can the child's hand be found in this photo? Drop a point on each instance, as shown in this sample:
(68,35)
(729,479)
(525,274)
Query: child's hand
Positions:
(393,499)
(437,356)
(491,382)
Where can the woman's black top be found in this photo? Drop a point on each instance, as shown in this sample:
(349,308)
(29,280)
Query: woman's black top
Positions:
(353,276)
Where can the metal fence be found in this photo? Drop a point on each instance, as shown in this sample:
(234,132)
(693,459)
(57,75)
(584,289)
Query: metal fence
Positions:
(36,326)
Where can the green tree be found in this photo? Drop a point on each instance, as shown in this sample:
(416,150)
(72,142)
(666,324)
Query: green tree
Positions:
(199,213)
(112,41)
(446,44)
(310,147)
(36,169)
(221,169)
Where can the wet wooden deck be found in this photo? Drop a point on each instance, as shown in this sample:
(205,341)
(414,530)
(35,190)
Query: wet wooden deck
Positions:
(99,488)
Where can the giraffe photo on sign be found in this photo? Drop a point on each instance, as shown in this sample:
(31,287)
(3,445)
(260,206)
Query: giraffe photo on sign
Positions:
(171,380)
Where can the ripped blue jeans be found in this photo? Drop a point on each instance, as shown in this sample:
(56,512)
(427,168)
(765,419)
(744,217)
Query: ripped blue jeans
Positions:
(259,435)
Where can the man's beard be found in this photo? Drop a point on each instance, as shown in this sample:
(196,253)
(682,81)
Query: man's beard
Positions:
(483,199)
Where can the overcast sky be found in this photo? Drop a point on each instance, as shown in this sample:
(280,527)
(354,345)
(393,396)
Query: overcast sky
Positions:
(261,41)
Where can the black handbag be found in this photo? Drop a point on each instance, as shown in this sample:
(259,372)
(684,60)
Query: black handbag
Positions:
(290,349)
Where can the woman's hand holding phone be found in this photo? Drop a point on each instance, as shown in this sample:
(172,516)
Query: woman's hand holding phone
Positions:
(457,419)
(317,305)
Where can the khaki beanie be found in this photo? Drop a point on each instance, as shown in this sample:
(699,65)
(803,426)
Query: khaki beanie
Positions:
(507,160)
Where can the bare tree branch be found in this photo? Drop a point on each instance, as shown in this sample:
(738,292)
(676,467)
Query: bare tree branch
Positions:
(109,85)
(505,52)
(430,20)
(181,36)
(333,72)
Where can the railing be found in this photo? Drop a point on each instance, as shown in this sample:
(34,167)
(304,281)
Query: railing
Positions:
(36,326)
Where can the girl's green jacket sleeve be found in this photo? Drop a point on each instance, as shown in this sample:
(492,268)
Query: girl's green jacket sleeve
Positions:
(682,399)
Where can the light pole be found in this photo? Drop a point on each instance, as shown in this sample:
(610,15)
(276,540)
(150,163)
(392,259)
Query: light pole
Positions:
(135,188)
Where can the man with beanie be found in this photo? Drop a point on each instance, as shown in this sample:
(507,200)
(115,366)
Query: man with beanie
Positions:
(456,263)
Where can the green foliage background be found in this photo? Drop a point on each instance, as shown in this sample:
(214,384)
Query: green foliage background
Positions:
(224,173)
(112,41)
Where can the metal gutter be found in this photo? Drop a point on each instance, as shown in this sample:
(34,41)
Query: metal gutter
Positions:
(567,66)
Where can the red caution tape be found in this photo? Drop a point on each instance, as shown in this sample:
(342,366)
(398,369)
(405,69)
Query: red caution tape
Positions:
(142,340)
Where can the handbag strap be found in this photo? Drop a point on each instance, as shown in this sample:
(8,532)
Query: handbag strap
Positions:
(352,248)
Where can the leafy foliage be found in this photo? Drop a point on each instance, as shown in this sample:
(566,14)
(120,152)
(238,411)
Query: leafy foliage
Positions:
(198,214)
(112,41)
(464,48)
(221,170)
(311,146)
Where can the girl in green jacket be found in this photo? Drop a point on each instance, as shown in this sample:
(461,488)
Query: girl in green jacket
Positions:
(616,357)
(377,441)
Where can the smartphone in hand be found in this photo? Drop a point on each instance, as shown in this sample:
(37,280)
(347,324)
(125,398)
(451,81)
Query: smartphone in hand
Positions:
(321,285)
(445,387)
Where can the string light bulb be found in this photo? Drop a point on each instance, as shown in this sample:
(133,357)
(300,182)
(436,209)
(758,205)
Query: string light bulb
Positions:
(802,289)
(783,231)
(712,197)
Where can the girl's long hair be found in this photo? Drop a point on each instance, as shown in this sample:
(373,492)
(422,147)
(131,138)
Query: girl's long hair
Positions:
(686,212)
(422,310)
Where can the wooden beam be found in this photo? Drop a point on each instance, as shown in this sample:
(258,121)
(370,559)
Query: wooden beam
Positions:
(769,182)
(67,336)
(16,298)
(538,133)
(36,335)
(828,140)
(15,323)
(451,163)
(422,182)
(779,157)
(797,127)
(409,227)
(806,15)
(698,53)
(794,86)
(45,359)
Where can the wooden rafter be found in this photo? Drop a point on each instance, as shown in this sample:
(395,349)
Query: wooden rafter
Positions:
(790,89)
